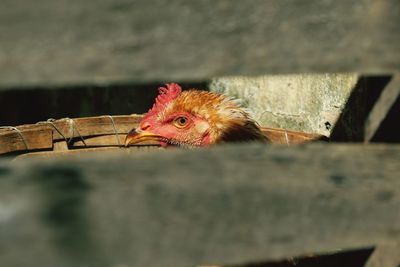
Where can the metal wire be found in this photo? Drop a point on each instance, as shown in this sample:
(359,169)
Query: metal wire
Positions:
(115,130)
(19,133)
(287,138)
(50,121)
(73,128)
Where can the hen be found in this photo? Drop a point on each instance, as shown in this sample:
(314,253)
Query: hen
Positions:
(194,118)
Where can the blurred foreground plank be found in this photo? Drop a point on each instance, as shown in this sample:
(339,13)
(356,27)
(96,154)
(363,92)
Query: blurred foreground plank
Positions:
(225,205)
(48,43)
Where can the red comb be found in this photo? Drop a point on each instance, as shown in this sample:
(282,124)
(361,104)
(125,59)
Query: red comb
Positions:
(166,94)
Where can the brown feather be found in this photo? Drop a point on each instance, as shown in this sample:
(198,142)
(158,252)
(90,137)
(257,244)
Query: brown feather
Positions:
(230,122)
(242,133)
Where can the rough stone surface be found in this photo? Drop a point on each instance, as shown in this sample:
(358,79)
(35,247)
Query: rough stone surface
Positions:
(307,102)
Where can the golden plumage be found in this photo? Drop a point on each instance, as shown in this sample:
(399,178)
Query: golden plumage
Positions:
(196,118)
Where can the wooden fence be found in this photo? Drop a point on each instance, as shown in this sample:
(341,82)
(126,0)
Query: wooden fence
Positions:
(227,205)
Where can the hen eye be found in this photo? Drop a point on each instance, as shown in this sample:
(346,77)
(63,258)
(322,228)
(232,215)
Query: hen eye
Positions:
(181,122)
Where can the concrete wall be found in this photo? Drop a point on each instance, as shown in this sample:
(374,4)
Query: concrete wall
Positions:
(306,102)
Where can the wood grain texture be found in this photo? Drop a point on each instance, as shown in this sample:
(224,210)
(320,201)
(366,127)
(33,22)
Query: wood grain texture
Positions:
(11,140)
(111,41)
(85,152)
(88,126)
(63,132)
(385,255)
(288,137)
(225,205)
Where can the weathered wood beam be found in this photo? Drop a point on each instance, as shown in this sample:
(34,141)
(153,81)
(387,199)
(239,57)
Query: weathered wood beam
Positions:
(111,41)
(88,126)
(98,130)
(226,205)
(385,255)
(382,107)
(15,140)
(82,152)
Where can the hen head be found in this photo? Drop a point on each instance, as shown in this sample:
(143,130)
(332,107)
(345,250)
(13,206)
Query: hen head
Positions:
(194,118)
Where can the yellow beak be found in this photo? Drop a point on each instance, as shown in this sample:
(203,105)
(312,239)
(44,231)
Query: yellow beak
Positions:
(137,136)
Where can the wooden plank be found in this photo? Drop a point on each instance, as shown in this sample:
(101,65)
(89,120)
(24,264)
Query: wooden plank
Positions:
(88,126)
(385,255)
(42,135)
(107,140)
(11,140)
(225,205)
(381,108)
(288,137)
(60,146)
(85,152)
(113,41)
(104,131)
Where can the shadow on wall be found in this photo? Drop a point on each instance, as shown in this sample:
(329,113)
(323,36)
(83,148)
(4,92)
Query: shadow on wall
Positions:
(389,131)
(30,105)
(350,125)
